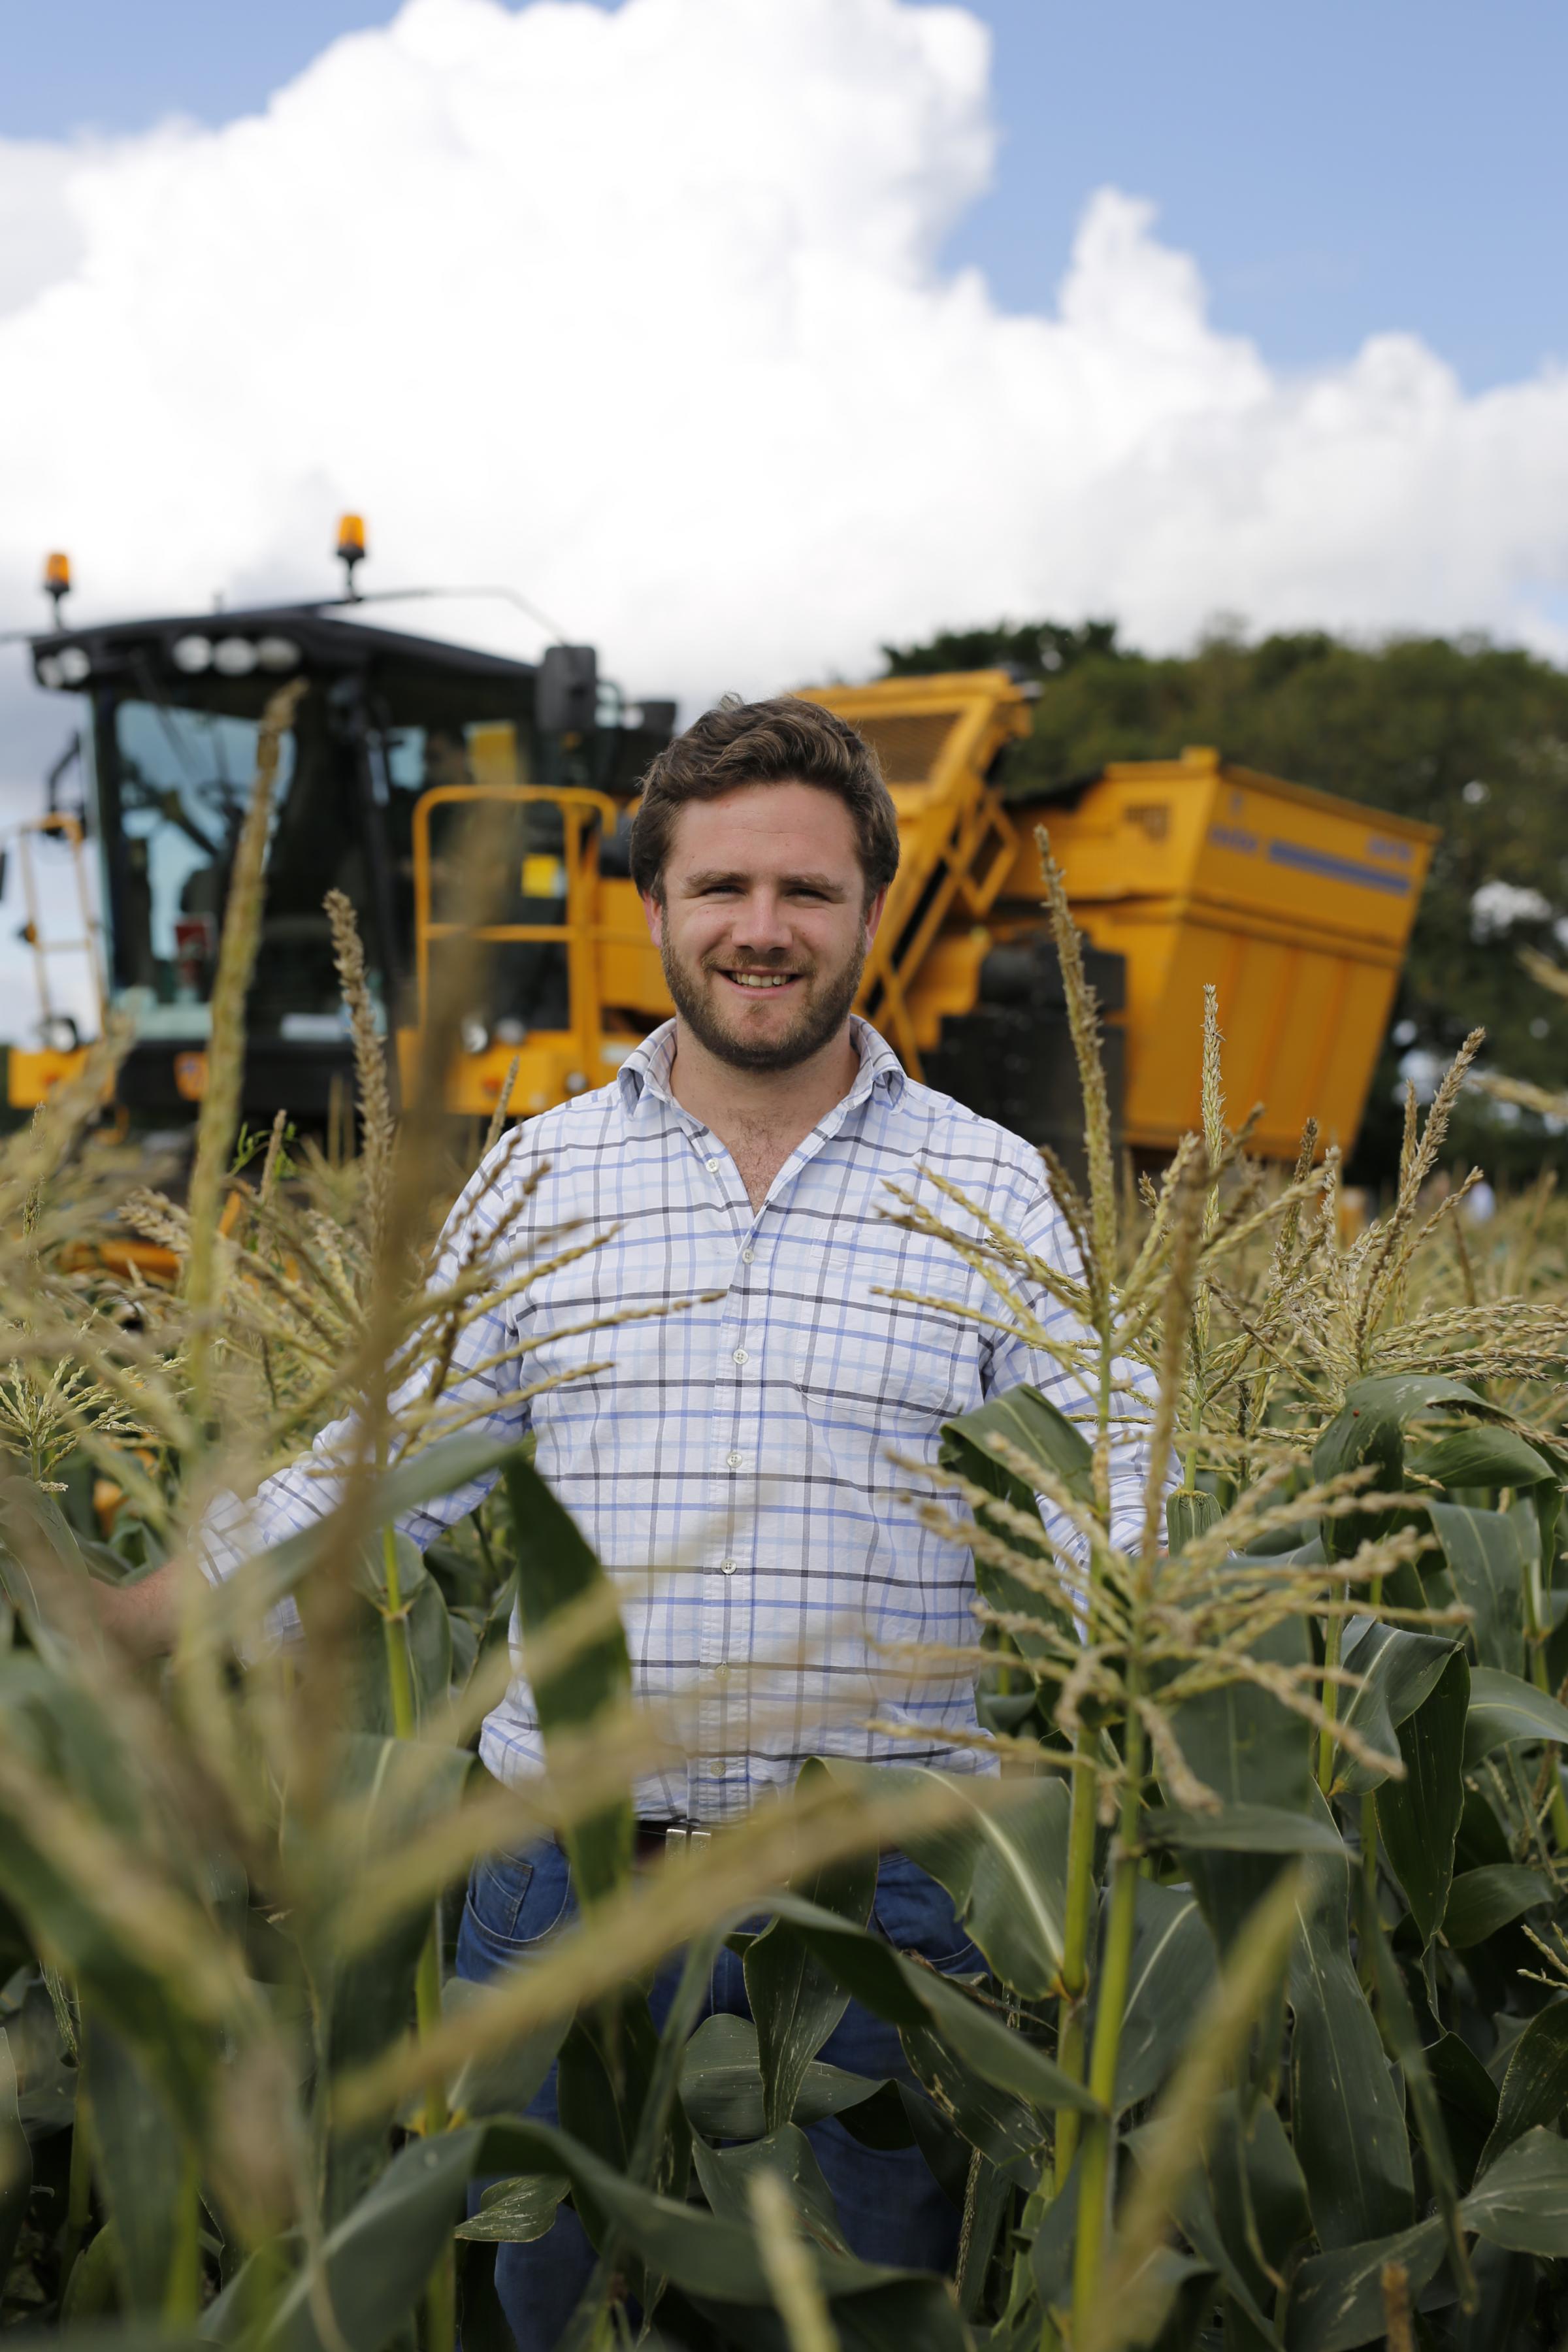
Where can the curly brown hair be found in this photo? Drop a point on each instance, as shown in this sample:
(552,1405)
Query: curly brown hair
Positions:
(783,742)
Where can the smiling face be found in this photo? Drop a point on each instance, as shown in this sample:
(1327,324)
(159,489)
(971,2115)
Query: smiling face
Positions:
(763,925)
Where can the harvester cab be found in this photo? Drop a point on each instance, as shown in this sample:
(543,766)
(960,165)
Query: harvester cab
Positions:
(397,736)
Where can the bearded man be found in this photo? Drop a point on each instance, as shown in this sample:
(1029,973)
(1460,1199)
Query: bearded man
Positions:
(743,1448)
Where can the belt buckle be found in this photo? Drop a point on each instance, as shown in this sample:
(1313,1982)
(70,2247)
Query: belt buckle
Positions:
(679,1837)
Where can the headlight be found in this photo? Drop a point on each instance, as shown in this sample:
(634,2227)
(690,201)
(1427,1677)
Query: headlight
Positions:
(49,671)
(74,666)
(474,1035)
(58,1033)
(278,653)
(234,656)
(510,1032)
(192,654)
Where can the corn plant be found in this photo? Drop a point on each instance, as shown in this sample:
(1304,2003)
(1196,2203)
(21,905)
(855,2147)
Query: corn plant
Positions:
(1270,2046)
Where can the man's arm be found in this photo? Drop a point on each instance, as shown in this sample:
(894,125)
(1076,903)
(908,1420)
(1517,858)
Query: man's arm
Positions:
(142,1617)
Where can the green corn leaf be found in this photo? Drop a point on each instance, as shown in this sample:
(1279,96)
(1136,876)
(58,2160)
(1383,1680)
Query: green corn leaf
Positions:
(1404,2044)
(257,1587)
(1030,1421)
(1470,2099)
(1535,2087)
(604,2077)
(1005,1866)
(1173,1965)
(15,2160)
(1348,2123)
(794,2000)
(516,2212)
(1504,1708)
(1369,1433)
(721,2084)
(140,2165)
(1418,1817)
(1336,2302)
(1487,1455)
(556,1570)
(370,1704)
(1486,1560)
(385,1789)
(726,2176)
(1240,1829)
(1521,2201)
(1399,1668)
(1005,2128)
(1256,1757)
(920,1999)
(1244,2210)
(1482,1901)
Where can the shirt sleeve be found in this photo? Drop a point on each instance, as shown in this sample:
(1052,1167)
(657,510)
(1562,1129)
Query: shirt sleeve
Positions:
(1038,1225)
(479,1396)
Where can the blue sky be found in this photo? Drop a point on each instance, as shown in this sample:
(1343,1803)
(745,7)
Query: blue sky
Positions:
(1336,171)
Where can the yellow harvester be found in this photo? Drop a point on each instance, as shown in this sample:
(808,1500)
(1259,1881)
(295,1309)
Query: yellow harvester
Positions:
(1295,905)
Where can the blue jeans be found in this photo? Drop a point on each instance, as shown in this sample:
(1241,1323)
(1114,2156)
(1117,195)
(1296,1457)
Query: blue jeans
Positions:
(889,2206)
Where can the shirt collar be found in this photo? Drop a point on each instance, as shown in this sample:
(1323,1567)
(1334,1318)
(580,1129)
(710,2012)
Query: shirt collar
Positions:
(645,1072)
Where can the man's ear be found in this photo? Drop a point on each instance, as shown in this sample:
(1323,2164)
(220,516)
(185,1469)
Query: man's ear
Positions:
(874,913)
(653,915)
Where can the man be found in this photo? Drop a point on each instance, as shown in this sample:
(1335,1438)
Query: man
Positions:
(742,1445)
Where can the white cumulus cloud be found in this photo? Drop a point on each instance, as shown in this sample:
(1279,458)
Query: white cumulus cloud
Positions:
(643,313)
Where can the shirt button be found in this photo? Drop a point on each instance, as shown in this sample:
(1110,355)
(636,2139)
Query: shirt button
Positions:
(727,1568)
(747,1256)
(721,1671)
(717,1770)
(712,1167)
(741,1355)
(733,1460)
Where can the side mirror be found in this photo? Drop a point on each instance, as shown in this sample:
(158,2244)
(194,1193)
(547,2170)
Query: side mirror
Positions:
(566,690)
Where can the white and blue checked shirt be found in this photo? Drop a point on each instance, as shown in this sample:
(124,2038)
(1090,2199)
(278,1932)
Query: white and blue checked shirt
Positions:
(740,1448)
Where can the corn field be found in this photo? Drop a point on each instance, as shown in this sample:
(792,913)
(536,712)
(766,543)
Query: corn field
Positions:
(1271,2046)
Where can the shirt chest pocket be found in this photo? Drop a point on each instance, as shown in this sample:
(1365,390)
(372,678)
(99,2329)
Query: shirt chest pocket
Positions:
(856,1356)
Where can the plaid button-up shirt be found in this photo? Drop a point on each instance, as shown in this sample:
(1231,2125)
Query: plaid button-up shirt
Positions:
(734,1465)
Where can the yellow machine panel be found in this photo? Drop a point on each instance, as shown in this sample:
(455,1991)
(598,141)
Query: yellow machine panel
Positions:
(1295,905)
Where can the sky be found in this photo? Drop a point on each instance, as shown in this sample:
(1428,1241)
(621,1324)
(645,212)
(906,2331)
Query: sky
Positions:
(1338,171)
(747,334)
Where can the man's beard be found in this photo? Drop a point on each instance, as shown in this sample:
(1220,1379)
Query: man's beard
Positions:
(824,1007)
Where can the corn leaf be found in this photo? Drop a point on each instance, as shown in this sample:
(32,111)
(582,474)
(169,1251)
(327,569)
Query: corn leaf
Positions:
(1482,1901)
(1336,2302)
(1521,2201)
(1173,1964)
(1005,1867)
(1418,1817)
(556,1569)
(1486,1560)
(1535,2087)
(721,2084)
(1505,1707)
(794,1999)
(1348,2122)
(1399,1668)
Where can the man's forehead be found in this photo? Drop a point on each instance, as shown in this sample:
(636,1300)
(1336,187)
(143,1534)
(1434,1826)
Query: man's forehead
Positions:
(768,825)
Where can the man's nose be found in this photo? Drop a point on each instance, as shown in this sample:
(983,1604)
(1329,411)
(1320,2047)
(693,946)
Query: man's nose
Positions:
(761,923)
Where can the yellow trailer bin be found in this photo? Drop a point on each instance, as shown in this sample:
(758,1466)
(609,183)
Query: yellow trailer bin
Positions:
(1296,905)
